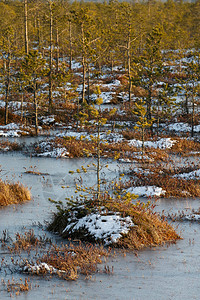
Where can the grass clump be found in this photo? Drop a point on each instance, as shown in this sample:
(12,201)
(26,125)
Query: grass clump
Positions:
(17,287)
(72,260)
(28,241)
(9,146)
(149,230)
(13,193)
(184,146)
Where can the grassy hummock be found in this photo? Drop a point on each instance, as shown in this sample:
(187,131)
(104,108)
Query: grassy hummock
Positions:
(116,222)
(13,193)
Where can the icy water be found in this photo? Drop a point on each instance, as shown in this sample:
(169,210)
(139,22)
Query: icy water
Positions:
(168,272)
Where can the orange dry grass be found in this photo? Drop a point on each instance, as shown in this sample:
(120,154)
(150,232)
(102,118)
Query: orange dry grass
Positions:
(9,145)
(73,260)
(27,241)
(174,187)
(12,193)
(149,229)
(80,148)
(183,146)
(69,260)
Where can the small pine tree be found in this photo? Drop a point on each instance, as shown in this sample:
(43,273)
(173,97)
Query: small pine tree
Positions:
(142,123)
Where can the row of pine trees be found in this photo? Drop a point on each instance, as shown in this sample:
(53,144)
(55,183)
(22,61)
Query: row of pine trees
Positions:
(40,40)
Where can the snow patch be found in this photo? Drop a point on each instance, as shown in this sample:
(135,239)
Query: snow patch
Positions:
(108,228)
(40,268)
(146,191)
(164,143)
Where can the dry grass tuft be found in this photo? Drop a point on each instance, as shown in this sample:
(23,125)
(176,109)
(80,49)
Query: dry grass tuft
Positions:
(28,241)
(13,193)
(17,287)
(6,146)
(72,260)
(183,146)
(66,261)
(149,230)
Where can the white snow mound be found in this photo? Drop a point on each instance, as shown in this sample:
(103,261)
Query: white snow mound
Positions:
(108,228)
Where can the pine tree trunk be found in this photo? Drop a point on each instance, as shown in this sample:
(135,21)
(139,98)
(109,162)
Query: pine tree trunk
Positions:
(129,64)
(70,45)
(35,107)
(7,87)
(50,58)
(22,104)
(88,85)
(98,165)
(193,110)
(83,65)
(26,27)
(57,50)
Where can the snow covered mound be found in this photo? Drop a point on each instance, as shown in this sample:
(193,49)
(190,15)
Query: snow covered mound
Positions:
(146,191)
(164,143)
(56,152)
(179,127)
(107,228)
(48,150)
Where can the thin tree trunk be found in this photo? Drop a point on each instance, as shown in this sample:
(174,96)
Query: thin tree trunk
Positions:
(129,63)
(22,104)
(26,27)
(88,85)
(148,102)
(83,64)
(50,57)
(149,107)
(186,103)
(111,59)
(70,45)
(98,165)
(193,110)
(38,33)
(57,50)
(35,107)
(7,87)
